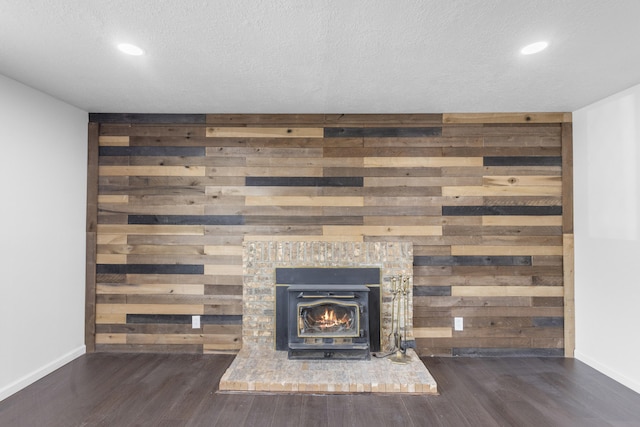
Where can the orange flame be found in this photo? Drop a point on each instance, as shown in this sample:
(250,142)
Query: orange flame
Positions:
(329,319)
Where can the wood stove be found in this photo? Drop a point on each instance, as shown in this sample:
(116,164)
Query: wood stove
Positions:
(304,295)
(328,322)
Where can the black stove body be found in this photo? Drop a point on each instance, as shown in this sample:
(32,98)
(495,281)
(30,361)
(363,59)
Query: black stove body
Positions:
(328,322)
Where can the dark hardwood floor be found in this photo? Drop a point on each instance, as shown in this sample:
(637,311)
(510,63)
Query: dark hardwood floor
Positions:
(103,389)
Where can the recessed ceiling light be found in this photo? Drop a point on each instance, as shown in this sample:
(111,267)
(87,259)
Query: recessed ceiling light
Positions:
(130,49)
(534,48)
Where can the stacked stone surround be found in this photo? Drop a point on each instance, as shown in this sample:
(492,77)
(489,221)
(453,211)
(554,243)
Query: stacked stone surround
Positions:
(261,258)
(258,367)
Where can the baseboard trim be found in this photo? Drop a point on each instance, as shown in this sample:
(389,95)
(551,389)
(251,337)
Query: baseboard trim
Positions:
(608,371)
(34,376)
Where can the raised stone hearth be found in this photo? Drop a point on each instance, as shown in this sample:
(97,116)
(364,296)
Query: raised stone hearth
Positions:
(271,371)
(260,368)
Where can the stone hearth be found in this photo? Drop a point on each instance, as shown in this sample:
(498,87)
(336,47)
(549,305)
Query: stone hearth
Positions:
(260,368)
(271,371)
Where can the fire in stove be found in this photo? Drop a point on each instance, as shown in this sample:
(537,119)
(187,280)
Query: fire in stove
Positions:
(325,318)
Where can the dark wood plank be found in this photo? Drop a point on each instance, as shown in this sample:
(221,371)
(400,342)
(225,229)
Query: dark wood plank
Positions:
(383,152)
(381,132)
(329,120)
(146,118)
(149,348)
(567,178)
(157,130)
(265,119)
(383,120)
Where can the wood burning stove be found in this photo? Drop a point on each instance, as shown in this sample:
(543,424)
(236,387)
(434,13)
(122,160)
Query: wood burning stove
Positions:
(350,297)
(328,321)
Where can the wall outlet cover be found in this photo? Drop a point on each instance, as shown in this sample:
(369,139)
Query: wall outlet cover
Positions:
(195,322)
(458,324)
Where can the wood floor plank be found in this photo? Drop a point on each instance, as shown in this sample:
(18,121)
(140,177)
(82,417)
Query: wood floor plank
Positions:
(314,411)
(371,410)
(341,411)
(473,413)
(181,390)
(288,412)
(210,409)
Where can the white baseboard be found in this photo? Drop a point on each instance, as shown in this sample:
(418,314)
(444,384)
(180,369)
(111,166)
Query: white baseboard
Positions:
(633,384)
(34,376)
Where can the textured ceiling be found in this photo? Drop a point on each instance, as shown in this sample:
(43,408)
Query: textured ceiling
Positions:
(322,56)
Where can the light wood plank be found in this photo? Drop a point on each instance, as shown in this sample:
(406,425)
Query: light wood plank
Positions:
(109,198)
(111,338)
(152,170)
(114,141)
(260,190)
(111,318)
(298,238)
(223,270)
(527,180)
(413,162)
(234,341)
(433,332)
(504,250)
(382,230)
(217,348)
(303,201)
(507,291)
(111,259)
(112,239)
(521,220)
(264,132)
(569,295)
(476,118)
(223,250)
(264,171)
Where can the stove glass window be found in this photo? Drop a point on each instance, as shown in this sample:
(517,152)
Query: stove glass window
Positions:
(328,318)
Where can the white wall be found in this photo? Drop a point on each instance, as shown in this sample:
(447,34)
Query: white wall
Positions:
(607,235)
(43,175)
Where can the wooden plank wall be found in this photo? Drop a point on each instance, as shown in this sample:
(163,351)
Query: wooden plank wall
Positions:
(481,196)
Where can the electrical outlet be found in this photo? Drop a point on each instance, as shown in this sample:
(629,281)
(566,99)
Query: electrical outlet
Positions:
(458,324)
(195,322)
